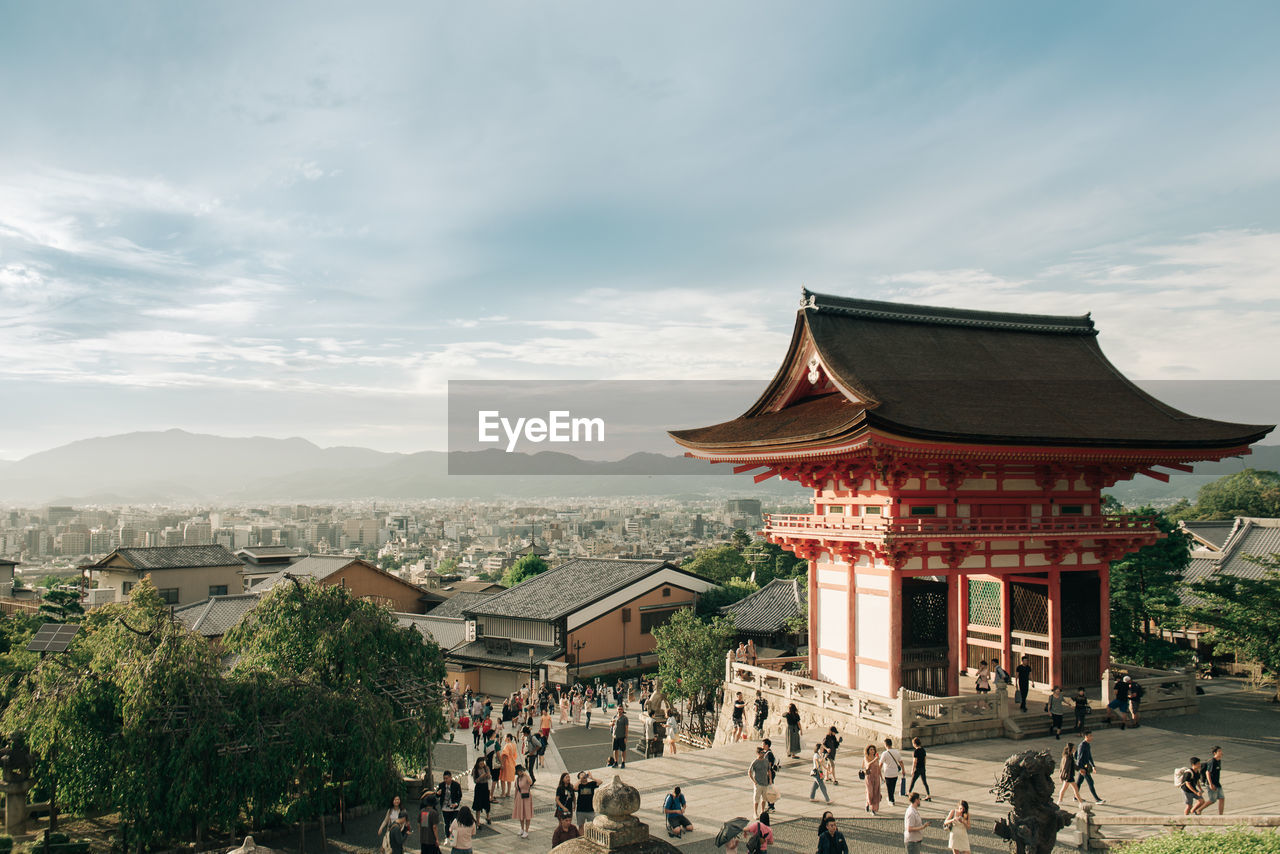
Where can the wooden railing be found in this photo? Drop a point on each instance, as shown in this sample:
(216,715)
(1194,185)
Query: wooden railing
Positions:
(782,523)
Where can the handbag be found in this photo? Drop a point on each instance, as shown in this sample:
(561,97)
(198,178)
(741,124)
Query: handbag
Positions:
(862,775)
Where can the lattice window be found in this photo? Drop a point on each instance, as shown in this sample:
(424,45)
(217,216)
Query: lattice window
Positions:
(1081,605)
(926,614)
(984,603)
(1030,608)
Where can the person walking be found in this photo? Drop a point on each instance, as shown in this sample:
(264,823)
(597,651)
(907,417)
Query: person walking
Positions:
(1135,699)
(1000,678)
(982,681)
(1085,766)
(891,768)
(958,822)
(388,822)
(1189,784)
(618,730)
(913,827)
(739,713)
(430,833)
(758,774)
(1213,780)
(792,717)
(773,768)
(832,742)
(819,755)
(587,785)
(759,827)
(397,834)
(462,831)
(761,713)
(529,750)
(1067,770)
(1056,707)
(481,794)
(673,806)
(918,756)
(831,840)
(673,732)
(508,761)
(450,794)
(871,775)
(1023,674)
(1119,705)
(522,804)
(1081,701)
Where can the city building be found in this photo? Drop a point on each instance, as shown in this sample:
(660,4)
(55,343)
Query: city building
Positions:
(590,616)
(182,574)
(956,460)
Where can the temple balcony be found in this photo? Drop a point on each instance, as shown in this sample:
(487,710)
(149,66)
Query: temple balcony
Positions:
(833,527)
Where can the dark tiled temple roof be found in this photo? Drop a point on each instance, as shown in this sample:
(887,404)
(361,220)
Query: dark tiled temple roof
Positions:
(1250,537)
(944,374)
(457,603)
(568,587)
(173,557)
(447,632)
(766,611)
(513,655)
(1211,533)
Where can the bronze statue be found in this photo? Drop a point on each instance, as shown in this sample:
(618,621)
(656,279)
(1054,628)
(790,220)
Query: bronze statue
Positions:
(1027,785)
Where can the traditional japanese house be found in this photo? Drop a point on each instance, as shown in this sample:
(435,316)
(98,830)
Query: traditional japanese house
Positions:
(957,460)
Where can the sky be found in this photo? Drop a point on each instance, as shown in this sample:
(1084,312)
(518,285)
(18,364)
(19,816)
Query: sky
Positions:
(290,219)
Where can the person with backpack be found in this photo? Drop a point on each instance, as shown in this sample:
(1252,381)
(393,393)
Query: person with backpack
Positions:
(767,744)
(1188,782)
(831,840)
(673,807)
(759,835)
(891,769)
(1000,677)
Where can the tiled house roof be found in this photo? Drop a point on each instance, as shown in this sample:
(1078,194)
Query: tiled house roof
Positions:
(766,611)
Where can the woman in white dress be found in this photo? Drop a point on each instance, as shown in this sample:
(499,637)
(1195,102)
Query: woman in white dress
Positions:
(958,822)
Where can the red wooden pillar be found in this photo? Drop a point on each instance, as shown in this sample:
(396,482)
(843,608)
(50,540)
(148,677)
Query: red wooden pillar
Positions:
(963,628)
(1006,624)
(813,617)
(895,633)
(1104,618)
(1055,627)
(956,634)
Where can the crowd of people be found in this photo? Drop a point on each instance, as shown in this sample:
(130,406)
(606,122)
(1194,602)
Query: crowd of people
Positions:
(512,743)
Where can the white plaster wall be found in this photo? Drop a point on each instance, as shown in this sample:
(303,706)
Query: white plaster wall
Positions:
(872,624)
(873,679)
(873,582)
(833,620)
(832,576)
(1005,560)
(833,669)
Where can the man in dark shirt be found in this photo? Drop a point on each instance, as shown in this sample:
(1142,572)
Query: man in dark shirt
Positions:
(1213,780)
(564,830)
(1189,783)
(1120,705)
(762,713)
(831,840)
(1023,672)
(1084,764)
(429,824)
(450,794)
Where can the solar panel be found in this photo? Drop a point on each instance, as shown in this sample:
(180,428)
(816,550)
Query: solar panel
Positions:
(53,637)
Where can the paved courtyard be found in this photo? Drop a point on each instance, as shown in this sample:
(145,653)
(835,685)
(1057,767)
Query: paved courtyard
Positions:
(1135,767)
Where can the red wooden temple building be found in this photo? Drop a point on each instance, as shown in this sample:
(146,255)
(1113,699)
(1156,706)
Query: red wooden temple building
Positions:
(957,460)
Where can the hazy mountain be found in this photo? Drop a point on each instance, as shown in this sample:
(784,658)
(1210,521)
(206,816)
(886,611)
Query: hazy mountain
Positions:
(1146,490)
(176,466)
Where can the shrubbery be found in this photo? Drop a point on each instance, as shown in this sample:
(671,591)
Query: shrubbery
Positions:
(1237,840)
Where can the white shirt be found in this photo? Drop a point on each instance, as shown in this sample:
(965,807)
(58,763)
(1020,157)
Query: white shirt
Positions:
(890,763)
(912,819)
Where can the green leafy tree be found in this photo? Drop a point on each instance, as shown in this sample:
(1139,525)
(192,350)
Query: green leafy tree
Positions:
(448,566)
(739,539)
(718,563)
(61,606)
(1144,594)
(691,655)
(730,591)
(1243,614)
(1245,493)
(526,567)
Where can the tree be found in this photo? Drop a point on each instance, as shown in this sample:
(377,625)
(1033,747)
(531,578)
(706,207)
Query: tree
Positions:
(1245,493)
(1243,614)
(448,566)
(1144,593)
(718,563)
(526,567)
(60,606)
(730,591)
(691,655)
(739,539)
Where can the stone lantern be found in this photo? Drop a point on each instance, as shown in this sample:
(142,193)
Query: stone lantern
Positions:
(615,827)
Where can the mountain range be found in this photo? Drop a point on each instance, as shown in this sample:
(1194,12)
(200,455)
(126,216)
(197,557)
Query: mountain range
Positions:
(175,466)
